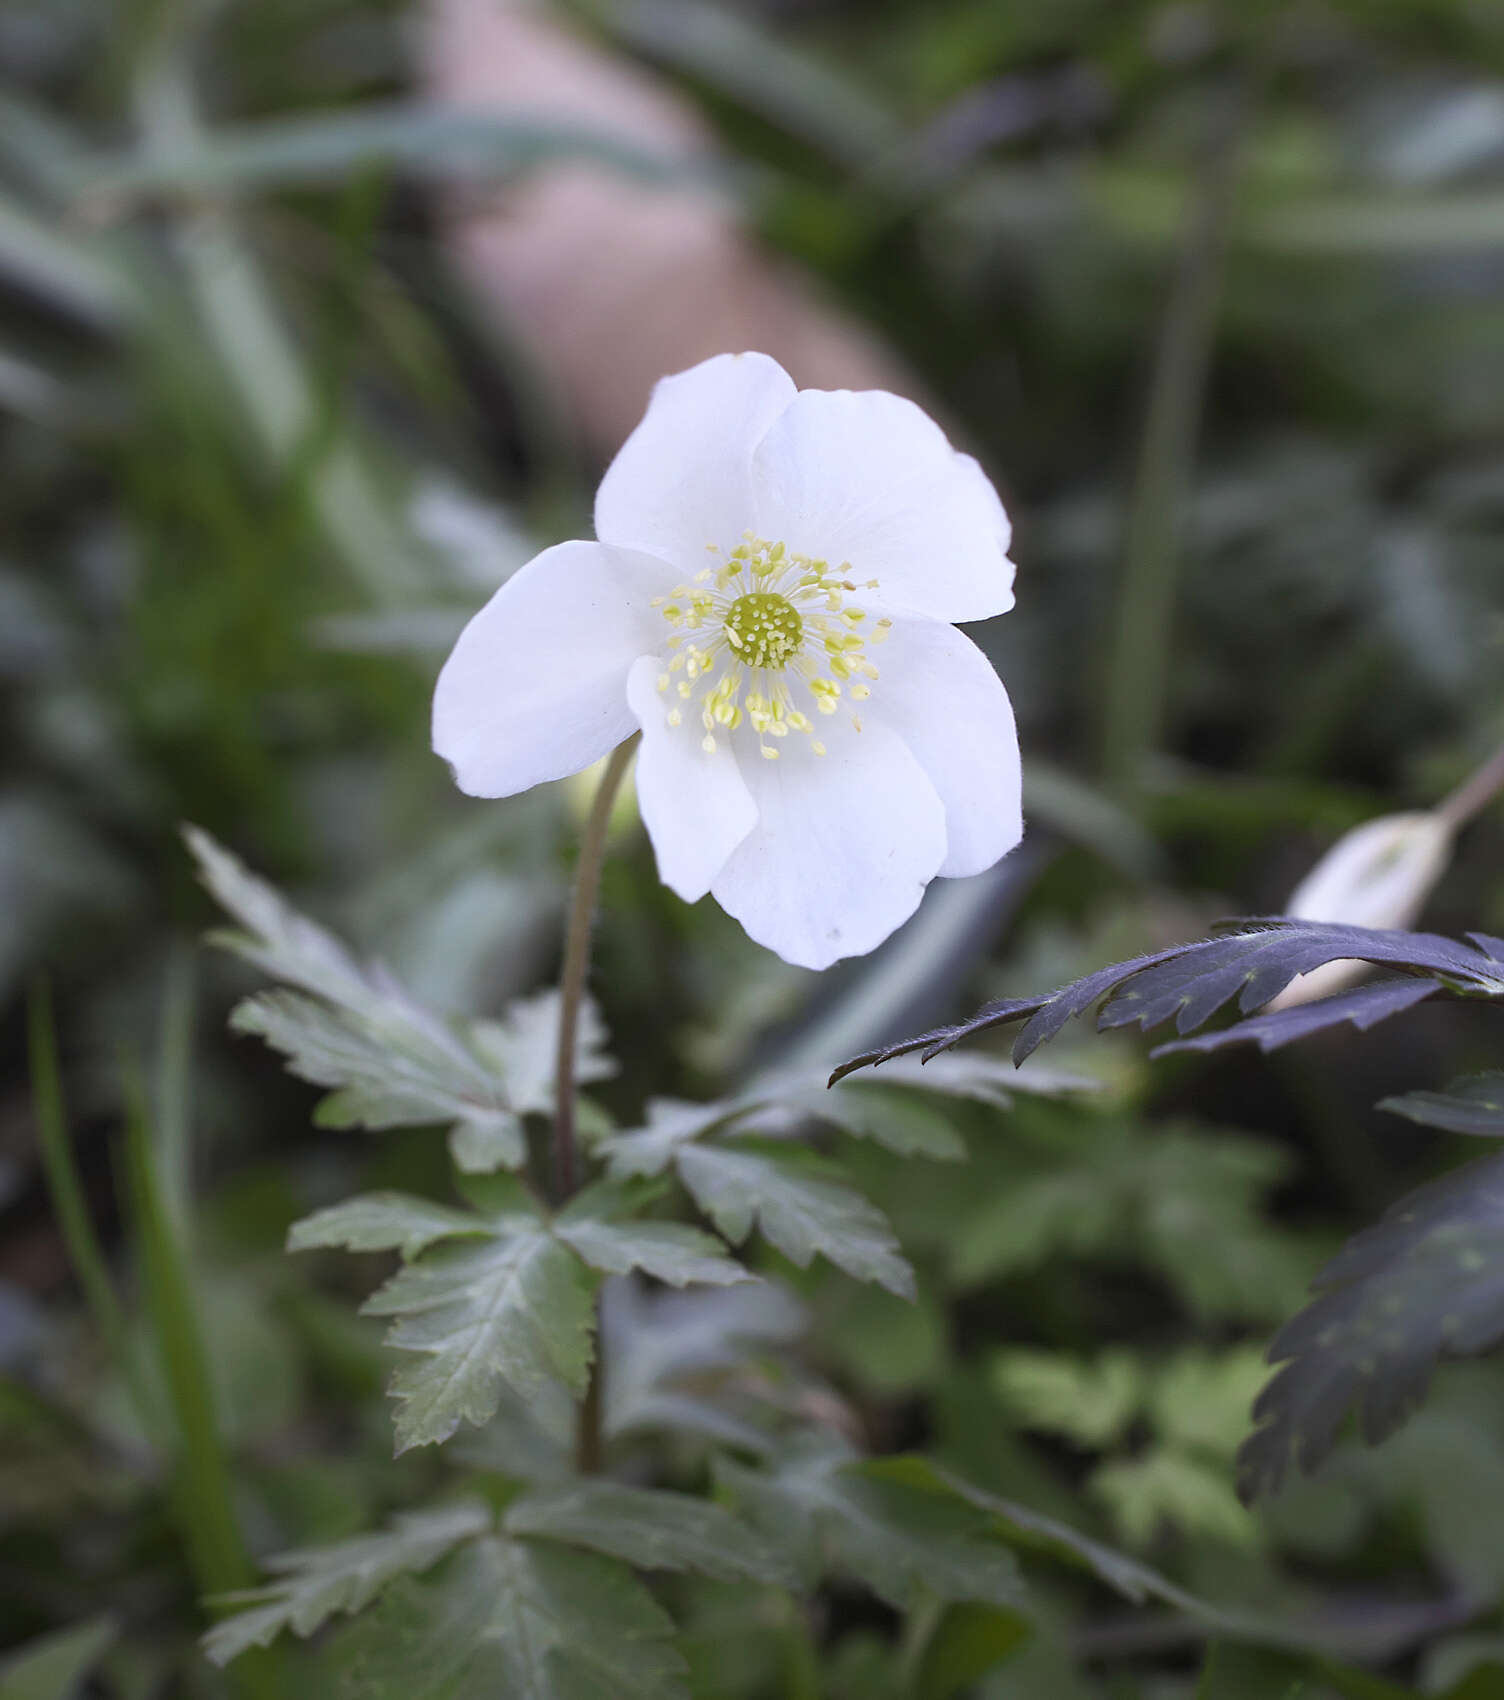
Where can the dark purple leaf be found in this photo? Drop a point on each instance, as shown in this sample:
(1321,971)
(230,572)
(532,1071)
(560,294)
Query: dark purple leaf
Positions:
(1427,1281)
(1253,963)
(1363,1007)
(1474,1104)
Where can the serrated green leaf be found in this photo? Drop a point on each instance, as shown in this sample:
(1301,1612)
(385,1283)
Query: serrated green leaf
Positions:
(522,1044)
(798,1208)
(385,1074)
(650,1149)
(384,1221)
(1090,1403)
(54,1666)
(901,1121)
(1166,1485)
(905,1543)
(1201,1399)
(320,1581)
(392,1063)
(668,1251)
(651,1529)
(524,1619)
(514,1310)
(480,1145)
(1473,1104)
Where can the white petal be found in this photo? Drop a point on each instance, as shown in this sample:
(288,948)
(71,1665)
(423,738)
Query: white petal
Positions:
(942,696)
(869,478)
(843,847)
(683,479)
(536,687)
(695,805)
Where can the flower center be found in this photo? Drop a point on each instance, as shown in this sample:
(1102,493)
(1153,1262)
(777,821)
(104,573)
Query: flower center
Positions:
(764,629)
(782,636)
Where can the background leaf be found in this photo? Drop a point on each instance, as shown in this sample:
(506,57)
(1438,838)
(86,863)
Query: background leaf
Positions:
(316,1583)
(798,1207)
(519,1617)
(651,1529)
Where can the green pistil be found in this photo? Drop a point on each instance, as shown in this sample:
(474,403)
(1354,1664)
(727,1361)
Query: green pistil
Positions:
(764,629)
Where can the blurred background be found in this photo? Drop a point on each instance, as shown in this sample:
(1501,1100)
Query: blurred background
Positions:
(319,317)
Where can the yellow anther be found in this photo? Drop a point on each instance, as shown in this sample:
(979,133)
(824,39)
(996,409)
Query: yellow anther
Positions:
(765,619)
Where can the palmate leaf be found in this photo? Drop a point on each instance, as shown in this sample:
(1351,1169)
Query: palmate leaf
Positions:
(651,1529)
(1425,1282)
(905,1542)
(800,1207)
(1473,1104)
(521,1618)
(317,1582)
(349,1025)
(1253,964)
(511,1310)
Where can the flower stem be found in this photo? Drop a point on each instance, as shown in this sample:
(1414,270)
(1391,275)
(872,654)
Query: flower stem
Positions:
(1474,793)
(575,972)
(576,969)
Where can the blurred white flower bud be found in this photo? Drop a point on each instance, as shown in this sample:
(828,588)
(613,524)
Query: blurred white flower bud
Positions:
(1378,875)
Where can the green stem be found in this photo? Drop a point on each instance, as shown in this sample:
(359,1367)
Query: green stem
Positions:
(572,979)
(576,969)
(68,1202)
(174,1083)
(1139,647)
(215,1549)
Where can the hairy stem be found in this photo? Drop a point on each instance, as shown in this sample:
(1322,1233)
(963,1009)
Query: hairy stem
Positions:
(576,969)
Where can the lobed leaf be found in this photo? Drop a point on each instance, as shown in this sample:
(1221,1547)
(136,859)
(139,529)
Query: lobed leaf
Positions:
(1191,982)
(392,1063)
(1424,1282)
(651,1529)
(317,1582)
(513,1311)
(668,1251)
(522,1618)
(650,1149)
(798,1209)
(1473,1104)
(384,1221)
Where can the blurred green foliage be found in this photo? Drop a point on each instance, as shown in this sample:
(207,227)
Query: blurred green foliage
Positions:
(1217,293)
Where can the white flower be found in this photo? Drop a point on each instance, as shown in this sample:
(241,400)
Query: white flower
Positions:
(757,545)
